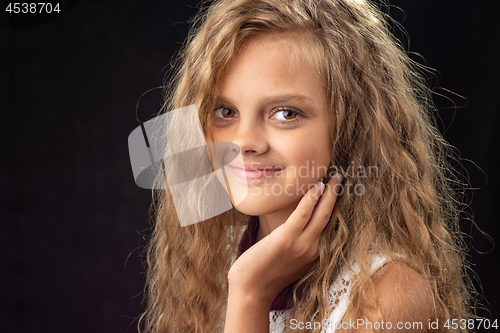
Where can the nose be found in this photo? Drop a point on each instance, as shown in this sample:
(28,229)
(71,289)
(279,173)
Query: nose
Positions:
(251,137)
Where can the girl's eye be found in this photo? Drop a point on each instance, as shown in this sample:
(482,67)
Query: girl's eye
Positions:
(223,112)
(286,115)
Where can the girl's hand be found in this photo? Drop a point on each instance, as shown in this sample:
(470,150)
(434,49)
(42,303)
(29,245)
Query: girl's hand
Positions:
(289,251)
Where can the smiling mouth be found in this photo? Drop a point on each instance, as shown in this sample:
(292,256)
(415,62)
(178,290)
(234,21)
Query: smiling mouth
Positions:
(252,173)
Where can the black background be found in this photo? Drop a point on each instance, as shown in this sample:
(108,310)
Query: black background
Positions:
(71,214)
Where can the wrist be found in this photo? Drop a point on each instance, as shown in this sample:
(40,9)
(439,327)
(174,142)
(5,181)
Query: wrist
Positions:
(256,298)
(246,312)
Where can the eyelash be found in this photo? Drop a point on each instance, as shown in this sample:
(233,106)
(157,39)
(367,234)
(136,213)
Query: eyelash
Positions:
(289,122)
(298,117)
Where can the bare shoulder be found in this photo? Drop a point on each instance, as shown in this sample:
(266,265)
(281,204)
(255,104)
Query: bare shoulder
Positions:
(404,299)
(404,296)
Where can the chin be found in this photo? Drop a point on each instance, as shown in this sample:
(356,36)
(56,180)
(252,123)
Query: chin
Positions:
(264,205)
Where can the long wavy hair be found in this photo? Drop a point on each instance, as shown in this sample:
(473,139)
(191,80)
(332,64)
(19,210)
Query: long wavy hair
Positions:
(381,116)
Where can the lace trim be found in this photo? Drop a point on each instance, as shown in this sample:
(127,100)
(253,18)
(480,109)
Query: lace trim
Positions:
(338,298)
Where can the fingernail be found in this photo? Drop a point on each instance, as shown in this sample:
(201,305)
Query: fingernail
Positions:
(321,187)
(338,177)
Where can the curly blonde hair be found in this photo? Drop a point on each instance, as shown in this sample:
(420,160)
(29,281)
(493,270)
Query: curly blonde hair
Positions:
(381,116)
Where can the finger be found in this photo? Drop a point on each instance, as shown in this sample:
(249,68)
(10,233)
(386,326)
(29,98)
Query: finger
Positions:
(301,215)
(323,210)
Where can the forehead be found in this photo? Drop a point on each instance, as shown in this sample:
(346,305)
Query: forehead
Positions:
(277,62)
(299,49)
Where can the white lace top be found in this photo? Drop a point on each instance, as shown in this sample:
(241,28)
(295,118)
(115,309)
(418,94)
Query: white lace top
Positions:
(338,297)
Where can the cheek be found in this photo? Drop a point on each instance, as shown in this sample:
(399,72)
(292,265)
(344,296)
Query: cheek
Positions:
(307,158)
(219,135)
(313,155)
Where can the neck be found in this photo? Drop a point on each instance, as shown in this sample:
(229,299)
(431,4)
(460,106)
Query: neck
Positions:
(269,222)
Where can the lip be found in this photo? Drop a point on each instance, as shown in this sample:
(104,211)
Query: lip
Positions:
(255,170)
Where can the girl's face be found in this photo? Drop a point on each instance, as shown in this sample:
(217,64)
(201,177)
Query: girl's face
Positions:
(275,110)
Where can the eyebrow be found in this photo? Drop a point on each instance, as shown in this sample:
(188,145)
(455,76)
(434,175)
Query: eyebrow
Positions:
(277,99)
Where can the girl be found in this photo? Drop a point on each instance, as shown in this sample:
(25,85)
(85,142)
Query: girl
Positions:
(318,86)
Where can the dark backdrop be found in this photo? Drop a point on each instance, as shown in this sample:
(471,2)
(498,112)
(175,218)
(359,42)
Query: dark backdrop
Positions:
(71,215)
